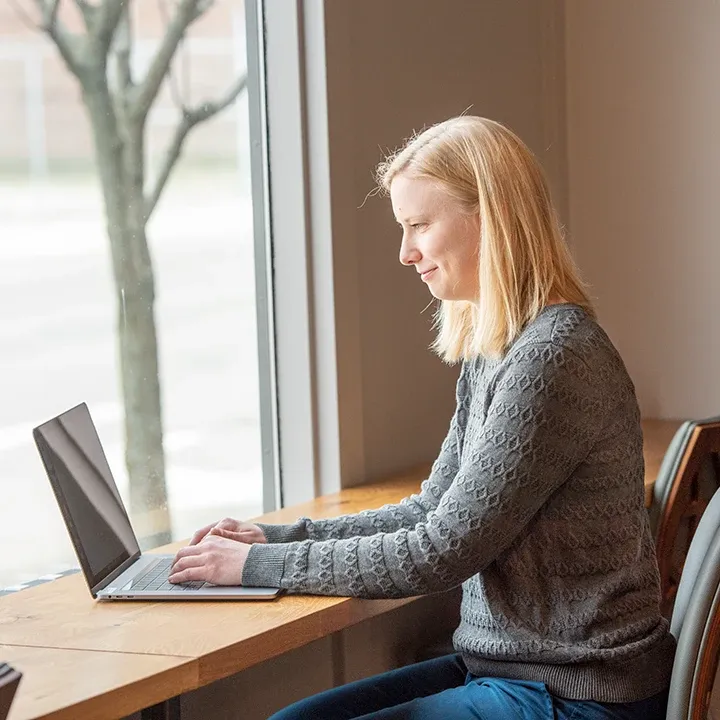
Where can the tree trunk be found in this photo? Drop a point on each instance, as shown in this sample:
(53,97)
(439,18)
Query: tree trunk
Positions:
(119,155)
(144,454)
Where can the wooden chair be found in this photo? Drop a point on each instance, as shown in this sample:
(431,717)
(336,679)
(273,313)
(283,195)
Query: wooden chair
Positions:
(707,529)
(9,680)
(668,471)
(696,622)
(686,482)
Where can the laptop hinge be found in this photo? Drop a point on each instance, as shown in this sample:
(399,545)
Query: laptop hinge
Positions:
(117,572)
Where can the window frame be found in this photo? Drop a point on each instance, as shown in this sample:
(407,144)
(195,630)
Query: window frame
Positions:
(312,442)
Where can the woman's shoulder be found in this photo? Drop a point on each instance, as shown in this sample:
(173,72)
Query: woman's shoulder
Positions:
(567,329)
(563,340)
(566,341)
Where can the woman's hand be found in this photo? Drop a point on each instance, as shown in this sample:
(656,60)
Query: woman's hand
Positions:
(237,530)
(216,560)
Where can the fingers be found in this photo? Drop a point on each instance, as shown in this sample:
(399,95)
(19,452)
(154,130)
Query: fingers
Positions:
(187,562)
(221,532)
(224,524)
(243,536)
(201,533)
(189,574)
(188,551)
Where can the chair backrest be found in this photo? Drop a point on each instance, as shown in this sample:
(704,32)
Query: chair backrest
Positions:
(9,680)
(684,499)
(698,647)
(707,529)
(668,469)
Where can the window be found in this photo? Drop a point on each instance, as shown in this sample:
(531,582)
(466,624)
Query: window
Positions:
(76,322)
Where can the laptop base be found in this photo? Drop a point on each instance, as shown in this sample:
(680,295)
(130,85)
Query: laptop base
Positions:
(122,587)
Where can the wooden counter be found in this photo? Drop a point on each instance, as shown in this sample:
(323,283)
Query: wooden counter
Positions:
(80,655)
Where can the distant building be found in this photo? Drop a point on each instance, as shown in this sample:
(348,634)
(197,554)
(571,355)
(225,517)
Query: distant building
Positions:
(42,123)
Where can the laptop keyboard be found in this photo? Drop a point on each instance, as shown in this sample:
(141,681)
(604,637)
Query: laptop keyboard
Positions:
(155,578)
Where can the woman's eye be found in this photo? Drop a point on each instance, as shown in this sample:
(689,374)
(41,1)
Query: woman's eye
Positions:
(418,226)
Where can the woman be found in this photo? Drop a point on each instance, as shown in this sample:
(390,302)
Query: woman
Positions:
(535,503)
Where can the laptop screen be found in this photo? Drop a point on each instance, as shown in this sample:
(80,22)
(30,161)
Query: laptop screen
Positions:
(86,492)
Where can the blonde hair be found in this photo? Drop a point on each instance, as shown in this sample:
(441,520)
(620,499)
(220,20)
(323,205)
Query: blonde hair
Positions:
(524,261)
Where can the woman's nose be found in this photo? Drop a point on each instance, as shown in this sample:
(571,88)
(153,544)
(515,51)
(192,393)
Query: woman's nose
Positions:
(409,254)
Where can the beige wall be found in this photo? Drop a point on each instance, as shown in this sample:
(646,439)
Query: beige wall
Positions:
(392,68)
(643,112)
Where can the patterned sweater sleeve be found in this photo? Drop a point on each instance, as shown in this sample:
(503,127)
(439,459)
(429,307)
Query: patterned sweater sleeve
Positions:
(541,420)
(406,514)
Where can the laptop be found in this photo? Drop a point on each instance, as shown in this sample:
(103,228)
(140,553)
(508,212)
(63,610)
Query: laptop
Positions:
(99,526)
(9,680)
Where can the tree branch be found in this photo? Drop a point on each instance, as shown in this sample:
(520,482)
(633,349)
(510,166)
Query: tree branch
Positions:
(87,10)
(50,13)
(208,109)
(105,25)
(175,93)
(185,15)
(71,46)
(189,119)
(123,51)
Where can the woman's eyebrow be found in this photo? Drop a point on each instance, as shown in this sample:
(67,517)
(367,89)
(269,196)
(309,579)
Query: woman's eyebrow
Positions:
(411,218)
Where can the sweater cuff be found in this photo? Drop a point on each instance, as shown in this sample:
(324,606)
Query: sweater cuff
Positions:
(285,533)
(264,566)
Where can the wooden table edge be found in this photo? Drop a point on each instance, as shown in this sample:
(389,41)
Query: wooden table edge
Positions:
(133,696)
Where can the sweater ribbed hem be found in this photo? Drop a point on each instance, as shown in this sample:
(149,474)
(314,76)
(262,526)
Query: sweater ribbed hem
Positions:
(285,533)
(617,682)
(264,566)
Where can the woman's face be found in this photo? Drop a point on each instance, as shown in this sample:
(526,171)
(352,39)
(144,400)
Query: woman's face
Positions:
(439,238)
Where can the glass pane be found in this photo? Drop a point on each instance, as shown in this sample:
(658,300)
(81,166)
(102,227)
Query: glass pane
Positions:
(76,292)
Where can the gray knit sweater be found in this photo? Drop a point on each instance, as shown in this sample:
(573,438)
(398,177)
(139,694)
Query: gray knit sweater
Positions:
(535,506)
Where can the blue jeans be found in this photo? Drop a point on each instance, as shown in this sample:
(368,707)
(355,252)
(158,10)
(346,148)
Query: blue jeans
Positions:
(442,688)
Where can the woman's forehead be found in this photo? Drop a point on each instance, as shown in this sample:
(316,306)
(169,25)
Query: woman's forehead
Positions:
(413,195)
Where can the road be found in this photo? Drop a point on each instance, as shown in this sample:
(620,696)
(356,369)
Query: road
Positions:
(58,348)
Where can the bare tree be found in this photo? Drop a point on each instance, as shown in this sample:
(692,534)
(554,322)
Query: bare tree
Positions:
(117,105)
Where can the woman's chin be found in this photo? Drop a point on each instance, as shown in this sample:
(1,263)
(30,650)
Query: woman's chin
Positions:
(439,294)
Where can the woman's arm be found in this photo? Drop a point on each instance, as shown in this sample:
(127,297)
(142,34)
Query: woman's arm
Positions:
(545,415)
